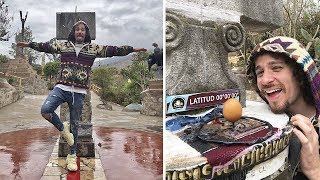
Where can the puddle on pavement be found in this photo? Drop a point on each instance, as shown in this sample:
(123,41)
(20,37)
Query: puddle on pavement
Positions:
(24,154)
(129,154)
(124,153)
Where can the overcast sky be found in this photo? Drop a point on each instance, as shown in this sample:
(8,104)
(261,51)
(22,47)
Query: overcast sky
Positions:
(118,22)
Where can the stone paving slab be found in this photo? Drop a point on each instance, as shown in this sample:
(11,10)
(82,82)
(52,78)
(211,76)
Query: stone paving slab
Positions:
(90,168)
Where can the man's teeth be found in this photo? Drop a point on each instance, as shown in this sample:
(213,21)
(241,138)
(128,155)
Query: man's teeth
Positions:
(272,91)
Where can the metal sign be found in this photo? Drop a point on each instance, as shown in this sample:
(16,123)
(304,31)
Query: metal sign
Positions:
(186,102)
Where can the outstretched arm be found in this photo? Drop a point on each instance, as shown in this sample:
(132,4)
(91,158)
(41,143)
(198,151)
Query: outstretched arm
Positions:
(109,51)
(309,155)
(23,44)
(139,50)
(42,47)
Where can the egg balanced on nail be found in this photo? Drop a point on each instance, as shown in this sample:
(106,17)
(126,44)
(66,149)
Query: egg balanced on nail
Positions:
(232,110)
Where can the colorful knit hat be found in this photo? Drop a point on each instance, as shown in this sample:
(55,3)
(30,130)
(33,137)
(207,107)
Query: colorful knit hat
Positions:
(295,51)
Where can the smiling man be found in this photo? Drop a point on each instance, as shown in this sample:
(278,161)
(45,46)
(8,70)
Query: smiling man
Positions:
(285,76)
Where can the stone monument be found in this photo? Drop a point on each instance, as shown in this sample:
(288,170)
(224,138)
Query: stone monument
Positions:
(152,99)
(64,23)
(199,35)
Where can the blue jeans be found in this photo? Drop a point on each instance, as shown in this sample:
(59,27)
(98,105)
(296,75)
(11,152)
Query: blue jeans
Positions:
(75,101)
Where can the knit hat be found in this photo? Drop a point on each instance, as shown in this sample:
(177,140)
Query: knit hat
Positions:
(292,48)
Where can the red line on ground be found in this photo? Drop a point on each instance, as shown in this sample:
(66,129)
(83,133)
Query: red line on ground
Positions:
(74,175)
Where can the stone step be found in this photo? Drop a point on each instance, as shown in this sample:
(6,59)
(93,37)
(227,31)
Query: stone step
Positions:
(23,70)
(26,66)
(24,74)
(16,66)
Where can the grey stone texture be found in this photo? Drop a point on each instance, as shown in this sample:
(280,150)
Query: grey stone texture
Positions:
(152,99)
(158,74)
(66,20)
(133,107)
(197,56)
(199,36)
(8,94)
(85,148)
(254,15)
(35,85)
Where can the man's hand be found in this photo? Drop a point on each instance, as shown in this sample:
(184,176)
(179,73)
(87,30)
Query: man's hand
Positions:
(23,44)
(309,155)
(139,49)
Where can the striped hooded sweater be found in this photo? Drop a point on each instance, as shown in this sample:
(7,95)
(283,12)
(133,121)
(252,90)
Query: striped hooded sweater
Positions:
(76,69)
(292,48)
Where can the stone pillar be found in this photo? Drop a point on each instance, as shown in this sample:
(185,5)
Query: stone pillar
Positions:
(19,52)
(152,98)
(85,140)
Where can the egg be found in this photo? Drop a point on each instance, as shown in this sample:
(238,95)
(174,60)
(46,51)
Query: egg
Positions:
(232,110)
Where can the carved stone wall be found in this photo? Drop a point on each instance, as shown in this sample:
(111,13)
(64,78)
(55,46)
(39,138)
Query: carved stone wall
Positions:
(197,55)
(199,36)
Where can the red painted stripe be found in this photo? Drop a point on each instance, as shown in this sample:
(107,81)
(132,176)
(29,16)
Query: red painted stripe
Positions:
(74,175)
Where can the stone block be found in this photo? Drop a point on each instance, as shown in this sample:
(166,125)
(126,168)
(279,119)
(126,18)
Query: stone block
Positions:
(85,130)
(85,148)
(197,56)
(152,104)
(156,84)
(254,15)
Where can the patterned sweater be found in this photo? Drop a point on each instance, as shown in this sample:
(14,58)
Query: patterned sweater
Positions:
(75,70)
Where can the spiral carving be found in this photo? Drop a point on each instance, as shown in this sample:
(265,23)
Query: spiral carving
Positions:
(233,36)
(174,31)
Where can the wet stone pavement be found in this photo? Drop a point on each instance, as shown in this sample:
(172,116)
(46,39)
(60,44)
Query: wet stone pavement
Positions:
(128,144)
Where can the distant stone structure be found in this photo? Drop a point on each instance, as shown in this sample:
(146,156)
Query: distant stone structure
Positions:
(31,82)
(199,36)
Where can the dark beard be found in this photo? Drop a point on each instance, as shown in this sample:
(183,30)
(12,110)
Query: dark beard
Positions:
(280,110)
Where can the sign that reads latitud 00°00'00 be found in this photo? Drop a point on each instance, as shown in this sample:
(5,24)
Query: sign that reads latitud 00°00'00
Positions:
(188,102)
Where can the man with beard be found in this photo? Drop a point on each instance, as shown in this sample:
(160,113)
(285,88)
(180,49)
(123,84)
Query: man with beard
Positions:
(287,79)
(77,57)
